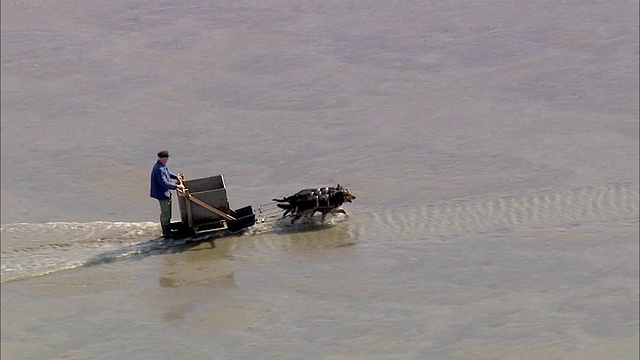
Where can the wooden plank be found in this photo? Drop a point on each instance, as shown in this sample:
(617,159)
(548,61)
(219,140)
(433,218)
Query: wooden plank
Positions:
(210,208)
(205,229)
(189,215)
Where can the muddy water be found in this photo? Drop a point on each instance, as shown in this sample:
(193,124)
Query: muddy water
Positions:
(493,149)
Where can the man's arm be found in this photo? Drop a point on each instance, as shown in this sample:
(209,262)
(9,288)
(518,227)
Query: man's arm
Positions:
(158,175)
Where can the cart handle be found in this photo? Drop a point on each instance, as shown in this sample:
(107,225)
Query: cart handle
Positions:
(180,182)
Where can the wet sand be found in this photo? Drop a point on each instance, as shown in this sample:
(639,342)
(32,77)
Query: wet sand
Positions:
(492,147)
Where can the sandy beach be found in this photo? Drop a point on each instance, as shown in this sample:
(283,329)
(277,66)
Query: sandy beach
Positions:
(492,147)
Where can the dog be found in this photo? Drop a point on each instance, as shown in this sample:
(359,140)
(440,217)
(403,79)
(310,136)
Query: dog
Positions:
(326,200)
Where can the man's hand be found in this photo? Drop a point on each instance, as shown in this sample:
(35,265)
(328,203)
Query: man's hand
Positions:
(180,187)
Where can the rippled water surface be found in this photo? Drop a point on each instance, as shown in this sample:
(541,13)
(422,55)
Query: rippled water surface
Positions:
(492,147)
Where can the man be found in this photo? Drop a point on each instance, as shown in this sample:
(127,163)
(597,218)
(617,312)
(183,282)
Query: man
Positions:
(161,187)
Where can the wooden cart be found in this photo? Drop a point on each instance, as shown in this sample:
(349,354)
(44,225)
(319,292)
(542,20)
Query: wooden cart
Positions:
(204,208)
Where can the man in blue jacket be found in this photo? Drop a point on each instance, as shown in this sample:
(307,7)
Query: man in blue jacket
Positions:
(161,186)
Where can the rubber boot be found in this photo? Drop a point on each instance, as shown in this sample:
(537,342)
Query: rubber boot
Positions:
(166,232)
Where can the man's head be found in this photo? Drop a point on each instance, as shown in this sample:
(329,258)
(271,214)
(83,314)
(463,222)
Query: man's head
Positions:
(163,156)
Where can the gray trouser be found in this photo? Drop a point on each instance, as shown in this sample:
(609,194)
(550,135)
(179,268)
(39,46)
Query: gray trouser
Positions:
(165,212)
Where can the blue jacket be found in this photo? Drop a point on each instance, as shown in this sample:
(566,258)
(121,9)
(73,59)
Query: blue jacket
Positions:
(161,181)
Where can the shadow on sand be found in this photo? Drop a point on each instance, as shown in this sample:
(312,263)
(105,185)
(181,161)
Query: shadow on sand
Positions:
(160,246)
(157,246)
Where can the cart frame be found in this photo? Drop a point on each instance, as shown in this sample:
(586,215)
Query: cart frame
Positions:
(204,208)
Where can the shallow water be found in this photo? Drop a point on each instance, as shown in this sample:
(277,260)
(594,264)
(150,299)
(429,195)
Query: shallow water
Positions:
(493,150)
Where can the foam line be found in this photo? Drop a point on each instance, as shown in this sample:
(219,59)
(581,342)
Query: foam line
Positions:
(603,202)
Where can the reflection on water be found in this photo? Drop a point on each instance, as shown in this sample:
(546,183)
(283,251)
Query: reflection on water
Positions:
(201,262)
(493,147)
